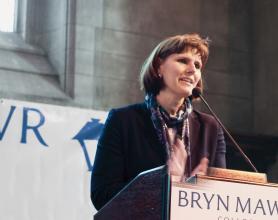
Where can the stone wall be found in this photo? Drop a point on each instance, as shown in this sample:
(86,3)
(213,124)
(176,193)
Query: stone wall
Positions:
(265,67)
(47,26)
(125,32)
(264,70)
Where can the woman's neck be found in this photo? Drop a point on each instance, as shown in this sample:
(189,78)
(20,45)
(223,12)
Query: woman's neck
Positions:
(169,102)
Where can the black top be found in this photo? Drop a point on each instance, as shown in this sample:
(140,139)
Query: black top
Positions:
(129,145)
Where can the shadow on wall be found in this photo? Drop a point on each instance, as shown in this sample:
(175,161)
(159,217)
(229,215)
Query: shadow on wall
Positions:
(262,151)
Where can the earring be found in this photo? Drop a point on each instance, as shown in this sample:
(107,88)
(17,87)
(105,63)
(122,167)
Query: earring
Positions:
(159,75)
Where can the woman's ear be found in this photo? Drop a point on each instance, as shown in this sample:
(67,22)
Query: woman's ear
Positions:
(160,68)
(159,74)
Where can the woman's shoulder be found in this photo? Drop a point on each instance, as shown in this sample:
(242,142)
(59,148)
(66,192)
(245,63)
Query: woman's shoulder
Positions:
(130,111)
(203,117)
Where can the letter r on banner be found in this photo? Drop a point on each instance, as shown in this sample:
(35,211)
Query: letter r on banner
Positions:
(35,128)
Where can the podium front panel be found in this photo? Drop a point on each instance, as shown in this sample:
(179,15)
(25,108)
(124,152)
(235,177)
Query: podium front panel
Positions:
(221,200)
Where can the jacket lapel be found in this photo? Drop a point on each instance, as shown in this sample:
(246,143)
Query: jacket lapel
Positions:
(150,133)
(194,132)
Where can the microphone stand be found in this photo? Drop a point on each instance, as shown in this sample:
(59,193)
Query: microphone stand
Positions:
(229,135)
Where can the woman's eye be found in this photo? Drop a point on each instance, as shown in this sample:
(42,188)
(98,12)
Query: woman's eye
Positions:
(183,61)
(197,65)
(186,61)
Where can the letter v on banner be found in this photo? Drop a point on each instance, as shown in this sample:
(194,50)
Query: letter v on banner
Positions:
(3,130)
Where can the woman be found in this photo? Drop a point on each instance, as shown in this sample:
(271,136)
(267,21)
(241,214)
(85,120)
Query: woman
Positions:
(164,129)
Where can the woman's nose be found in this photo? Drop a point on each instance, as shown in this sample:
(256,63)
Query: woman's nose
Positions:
(191,67)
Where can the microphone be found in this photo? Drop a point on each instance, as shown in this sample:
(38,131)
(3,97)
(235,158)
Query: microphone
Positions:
(197,93)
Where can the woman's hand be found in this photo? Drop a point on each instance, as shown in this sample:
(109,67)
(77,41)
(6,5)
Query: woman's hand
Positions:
(201,168)
(177,160)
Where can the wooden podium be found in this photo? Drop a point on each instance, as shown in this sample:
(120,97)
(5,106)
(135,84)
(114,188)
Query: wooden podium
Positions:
(221,195)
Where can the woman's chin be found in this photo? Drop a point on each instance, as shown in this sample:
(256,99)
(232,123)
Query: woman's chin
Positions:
(186,92)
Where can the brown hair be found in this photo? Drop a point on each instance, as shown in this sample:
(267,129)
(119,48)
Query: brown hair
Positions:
(149,78)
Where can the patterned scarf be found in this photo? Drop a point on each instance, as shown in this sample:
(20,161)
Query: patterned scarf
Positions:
(162,121)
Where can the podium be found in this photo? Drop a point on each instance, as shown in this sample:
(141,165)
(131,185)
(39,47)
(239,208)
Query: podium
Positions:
(146,197)
(221,195)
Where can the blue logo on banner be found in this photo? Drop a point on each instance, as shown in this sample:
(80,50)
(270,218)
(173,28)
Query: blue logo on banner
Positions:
(90,131)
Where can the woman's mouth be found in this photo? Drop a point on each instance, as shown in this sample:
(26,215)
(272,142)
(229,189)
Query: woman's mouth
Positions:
(186,80)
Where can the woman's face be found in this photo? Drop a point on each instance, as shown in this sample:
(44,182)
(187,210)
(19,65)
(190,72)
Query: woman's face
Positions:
(181,72)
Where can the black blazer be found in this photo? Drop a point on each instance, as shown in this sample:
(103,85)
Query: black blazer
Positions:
(129,145)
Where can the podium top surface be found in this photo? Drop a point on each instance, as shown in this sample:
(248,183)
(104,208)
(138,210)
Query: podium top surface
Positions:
(238,175)
(235,176)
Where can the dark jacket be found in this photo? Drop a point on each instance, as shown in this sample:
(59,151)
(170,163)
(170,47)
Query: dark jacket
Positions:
(129,145)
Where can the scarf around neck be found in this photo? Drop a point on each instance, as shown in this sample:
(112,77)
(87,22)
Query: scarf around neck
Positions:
(162,121)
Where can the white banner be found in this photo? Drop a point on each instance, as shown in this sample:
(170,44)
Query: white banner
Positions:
(46,154)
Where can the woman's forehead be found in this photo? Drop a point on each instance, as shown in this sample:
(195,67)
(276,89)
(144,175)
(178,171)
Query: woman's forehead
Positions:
(189,52)
(193,50)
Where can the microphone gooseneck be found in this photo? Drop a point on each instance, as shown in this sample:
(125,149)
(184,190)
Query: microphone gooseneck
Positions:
(196,93)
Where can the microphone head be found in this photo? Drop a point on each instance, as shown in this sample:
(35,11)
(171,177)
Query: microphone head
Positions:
(196,92)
